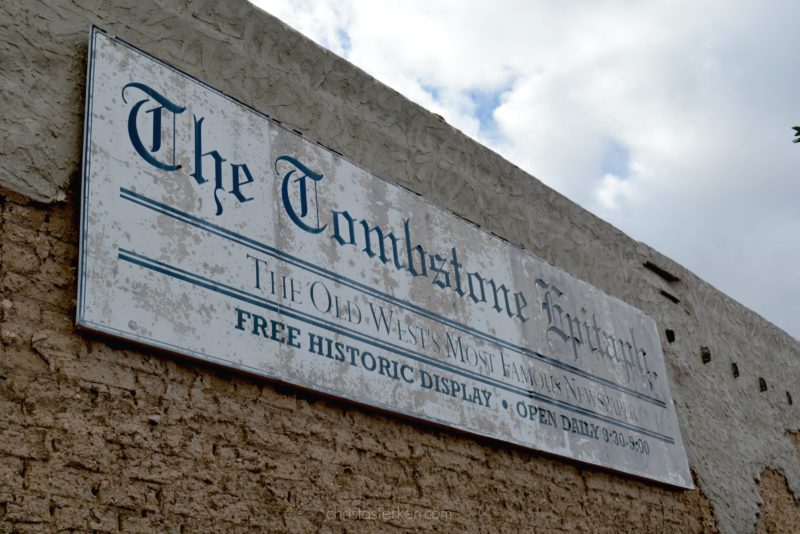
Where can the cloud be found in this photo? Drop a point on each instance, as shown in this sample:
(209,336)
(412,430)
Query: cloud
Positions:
(669,120)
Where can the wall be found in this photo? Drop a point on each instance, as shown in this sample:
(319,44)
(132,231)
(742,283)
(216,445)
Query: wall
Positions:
(100,435)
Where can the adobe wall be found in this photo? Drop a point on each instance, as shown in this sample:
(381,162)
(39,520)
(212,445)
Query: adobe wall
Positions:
(103,435)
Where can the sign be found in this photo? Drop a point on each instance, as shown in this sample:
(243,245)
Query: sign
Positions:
(211,231)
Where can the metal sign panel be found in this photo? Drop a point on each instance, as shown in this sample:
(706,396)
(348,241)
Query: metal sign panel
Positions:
(211,231)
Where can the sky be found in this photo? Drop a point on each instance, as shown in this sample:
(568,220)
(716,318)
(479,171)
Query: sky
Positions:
(669,119)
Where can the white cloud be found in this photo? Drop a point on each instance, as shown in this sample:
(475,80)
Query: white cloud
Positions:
(670,119)
(325,22)
(613,192)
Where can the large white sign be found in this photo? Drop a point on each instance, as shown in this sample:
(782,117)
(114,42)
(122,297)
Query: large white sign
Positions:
(211,231)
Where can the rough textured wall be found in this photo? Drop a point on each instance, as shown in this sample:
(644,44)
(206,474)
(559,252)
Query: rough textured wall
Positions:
(104,435)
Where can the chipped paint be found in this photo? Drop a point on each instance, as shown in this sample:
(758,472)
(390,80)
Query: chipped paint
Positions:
(223,236)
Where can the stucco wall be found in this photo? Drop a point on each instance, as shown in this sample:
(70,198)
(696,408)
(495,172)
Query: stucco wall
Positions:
(104,435)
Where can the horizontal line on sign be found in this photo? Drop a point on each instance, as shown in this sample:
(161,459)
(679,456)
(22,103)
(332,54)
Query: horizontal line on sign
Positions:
(283,256)
(256,300)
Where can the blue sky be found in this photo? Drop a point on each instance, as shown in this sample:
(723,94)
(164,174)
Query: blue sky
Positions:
(669,119)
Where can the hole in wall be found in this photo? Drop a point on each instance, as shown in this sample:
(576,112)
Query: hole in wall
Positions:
(670,296)
(670,335)
(762,384)
(705,354)
(735,370)
(663,273)
(789,398)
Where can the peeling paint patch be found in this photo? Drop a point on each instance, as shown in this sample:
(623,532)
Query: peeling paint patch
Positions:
(211,231)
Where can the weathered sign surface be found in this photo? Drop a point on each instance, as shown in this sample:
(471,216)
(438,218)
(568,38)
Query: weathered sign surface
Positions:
(211,231)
